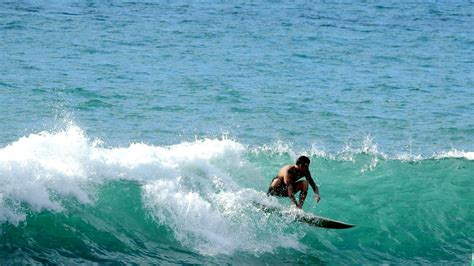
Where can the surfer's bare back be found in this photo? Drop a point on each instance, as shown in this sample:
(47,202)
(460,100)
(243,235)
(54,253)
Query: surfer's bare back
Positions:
(286,183)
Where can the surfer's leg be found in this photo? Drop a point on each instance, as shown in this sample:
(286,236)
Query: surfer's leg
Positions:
(302,186)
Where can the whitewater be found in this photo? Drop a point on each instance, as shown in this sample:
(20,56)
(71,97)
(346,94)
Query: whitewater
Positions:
(198,196)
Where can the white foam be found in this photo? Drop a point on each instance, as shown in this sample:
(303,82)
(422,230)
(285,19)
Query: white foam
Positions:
(35,165)
(318,152)
(455,154)
(278,147)
(66,162)
(188,186)
(217,223)
(409,157)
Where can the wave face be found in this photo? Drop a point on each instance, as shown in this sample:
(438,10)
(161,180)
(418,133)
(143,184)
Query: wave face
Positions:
(67,198)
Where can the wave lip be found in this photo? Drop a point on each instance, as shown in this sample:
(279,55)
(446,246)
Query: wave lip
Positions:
(193,188)
(350,153)
(36,167)
(469,155)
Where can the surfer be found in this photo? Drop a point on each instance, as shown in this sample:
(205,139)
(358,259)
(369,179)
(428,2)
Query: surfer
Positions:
(286,183)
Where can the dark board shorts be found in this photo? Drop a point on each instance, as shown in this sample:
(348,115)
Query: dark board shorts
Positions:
(281,190)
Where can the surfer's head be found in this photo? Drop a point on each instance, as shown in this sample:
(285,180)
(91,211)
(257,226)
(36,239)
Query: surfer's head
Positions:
(303,160)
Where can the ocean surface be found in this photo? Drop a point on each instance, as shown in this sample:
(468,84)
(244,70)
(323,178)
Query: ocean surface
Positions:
(141,132)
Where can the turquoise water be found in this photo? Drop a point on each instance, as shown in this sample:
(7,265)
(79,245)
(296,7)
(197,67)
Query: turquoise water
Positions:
(139,132)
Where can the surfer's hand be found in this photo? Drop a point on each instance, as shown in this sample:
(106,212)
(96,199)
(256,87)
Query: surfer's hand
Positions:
(317,198)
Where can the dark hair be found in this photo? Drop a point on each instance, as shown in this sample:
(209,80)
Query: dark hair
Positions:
(302,160)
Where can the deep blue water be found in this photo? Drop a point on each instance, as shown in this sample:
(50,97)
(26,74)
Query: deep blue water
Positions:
(195,107)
